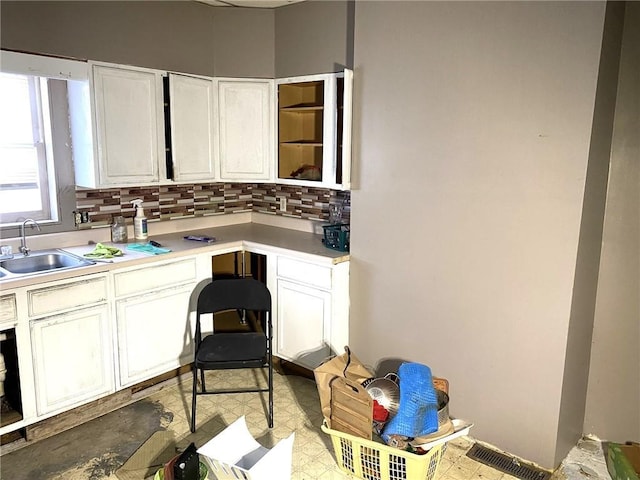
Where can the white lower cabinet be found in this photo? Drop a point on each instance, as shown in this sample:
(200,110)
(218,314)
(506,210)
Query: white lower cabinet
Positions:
(154,324)
(72,357)
(154,333)
(71,342)
(303,320)
(311,310)
(83,338)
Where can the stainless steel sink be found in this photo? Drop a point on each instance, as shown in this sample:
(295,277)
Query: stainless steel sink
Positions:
(43,261)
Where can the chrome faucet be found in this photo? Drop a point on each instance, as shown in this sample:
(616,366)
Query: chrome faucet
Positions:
(23,241)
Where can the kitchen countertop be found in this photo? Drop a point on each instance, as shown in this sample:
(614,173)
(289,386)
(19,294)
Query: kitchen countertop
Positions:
(248,236)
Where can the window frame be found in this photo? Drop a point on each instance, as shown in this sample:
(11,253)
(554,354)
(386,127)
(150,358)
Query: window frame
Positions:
(42,143)
(57,71)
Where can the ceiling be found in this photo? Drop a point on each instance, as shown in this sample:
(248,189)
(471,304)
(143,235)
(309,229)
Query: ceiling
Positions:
(250,3)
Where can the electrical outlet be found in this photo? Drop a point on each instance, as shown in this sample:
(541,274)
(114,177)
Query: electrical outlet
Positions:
(283,204)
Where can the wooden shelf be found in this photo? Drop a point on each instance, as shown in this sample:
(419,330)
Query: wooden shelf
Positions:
(302,143)
(301,94)
(300,130)
(302,108)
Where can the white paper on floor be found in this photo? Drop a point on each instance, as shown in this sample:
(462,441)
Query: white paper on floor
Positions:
(235,454)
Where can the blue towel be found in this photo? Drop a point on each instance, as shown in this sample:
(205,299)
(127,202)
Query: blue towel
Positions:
(147,248)
(418,409)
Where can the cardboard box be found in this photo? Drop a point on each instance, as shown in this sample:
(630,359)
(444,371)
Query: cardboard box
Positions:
(623,461)
(234,454)
(159,448)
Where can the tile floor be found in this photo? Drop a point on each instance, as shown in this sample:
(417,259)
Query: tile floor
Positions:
(297,409)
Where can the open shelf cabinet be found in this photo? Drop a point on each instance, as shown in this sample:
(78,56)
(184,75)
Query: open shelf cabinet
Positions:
(311,130)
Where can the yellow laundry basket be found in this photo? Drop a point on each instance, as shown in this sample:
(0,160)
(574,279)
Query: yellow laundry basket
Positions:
(369,460)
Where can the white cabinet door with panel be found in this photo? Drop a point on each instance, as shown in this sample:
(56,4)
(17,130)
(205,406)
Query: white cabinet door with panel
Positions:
(191,101)
(154,333)
(303,323)
(244,129)
(154,321)
(311,309)
(128,127)
(73,358)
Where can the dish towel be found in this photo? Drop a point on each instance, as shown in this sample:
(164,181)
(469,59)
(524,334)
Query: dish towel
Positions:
(104,251)
(147,248)
(418,409)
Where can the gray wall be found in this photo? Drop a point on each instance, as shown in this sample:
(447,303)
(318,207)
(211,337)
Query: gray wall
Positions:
(313,37)
(181,36)
(243,42)
(190,37)
(472,131)
(613,400)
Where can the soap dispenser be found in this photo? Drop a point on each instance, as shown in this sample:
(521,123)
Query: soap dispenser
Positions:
(139,222)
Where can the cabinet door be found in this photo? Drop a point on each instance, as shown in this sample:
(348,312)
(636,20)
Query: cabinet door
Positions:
(129,125)
(73,358)
(303,322)
(191,111)
(154,333)
(341,177)
(245,126)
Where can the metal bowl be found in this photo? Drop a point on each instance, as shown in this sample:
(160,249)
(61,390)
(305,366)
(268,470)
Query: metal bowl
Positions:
(386,392)
(443,407)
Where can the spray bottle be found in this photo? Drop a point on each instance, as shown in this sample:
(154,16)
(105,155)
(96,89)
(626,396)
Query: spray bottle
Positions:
(139,222)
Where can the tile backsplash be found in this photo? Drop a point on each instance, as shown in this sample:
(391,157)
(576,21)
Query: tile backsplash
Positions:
(168,202)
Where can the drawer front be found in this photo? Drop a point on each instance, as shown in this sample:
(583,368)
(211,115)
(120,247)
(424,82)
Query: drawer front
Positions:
(149,278)
(305,272)
(66,296)
(8,308)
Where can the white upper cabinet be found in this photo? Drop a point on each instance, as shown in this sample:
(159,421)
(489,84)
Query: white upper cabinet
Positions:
(314,130)
(191,107)
(128,127)
(294,131)
(244,129)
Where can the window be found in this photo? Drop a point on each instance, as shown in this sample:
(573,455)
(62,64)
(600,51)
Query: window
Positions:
(27,179)
(36,164)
